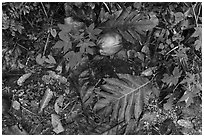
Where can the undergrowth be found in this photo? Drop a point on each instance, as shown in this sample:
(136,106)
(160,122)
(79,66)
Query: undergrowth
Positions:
(55,76)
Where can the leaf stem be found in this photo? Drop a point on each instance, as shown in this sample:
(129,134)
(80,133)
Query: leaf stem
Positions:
(136,89)
(113,127)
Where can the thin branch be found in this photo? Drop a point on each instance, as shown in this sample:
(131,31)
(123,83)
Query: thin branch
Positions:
(172,50)
(198,12)
(194,15)
(29,22)
(68,105)
(176,86)
(29,111)
(47,41)
(44,9)
(22,46)
(107,7)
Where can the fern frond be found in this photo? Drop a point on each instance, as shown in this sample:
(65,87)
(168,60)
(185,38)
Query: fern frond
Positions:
(131,24)
(123,98)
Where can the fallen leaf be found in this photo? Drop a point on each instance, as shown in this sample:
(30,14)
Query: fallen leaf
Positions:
(59,44)
(23,78)
(58,104)
(56,124)
(149,116)
(46,98)
(46,79)
(50,60)
(148,72)
(188,98)
(16,105)
(14,130)
(185,123)
(53,32)
(169,104)
(40,59)
(57,77)
(172,79)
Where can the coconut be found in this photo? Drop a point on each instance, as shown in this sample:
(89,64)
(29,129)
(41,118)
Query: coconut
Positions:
(110,44)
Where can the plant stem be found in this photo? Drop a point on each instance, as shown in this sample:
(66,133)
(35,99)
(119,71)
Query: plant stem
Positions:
(29,111)
(107,7)
(44,10)
(196,23)
(172,50)
(22,46)
(48,37)
(29,22)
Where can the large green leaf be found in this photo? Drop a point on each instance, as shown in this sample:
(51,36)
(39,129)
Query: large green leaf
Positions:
(131,24)
(123,98)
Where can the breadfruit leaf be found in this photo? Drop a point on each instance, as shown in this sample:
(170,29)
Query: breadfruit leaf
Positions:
(131,24)
(123,98)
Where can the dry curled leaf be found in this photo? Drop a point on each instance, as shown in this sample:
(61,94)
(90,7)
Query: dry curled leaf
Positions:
(14,130)
(46,79)
(16,105)
(149,71)
(50,59)
(58,104)
(185,123)
(23,78)
(46,98)
(53,32)
(55,76)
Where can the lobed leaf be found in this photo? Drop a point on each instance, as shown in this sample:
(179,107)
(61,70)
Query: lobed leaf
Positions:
(172,79)
(131,24)
(123,98)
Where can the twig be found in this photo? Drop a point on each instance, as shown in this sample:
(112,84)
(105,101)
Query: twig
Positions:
(172,50)
(186,4)
(14,47)
(29,111)
(107,7)
(198,13)
(71,109)
(47,41)
(28,22)
(21,46)
(194,14)
(176,86)
(44,9)
(67,105)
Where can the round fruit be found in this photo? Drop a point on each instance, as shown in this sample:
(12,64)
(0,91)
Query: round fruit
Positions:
(110,43)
